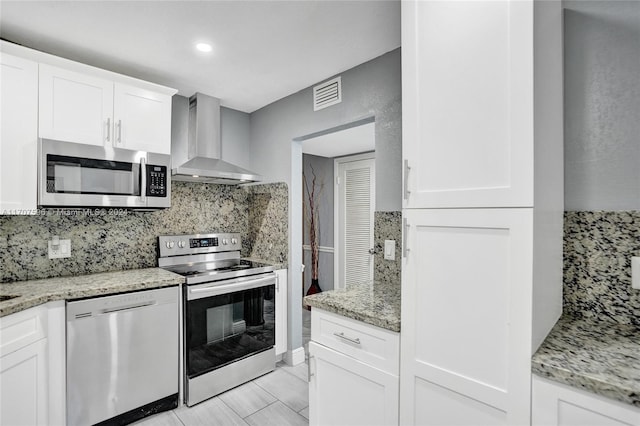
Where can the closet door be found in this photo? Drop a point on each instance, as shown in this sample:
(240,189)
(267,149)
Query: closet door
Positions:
(466,315)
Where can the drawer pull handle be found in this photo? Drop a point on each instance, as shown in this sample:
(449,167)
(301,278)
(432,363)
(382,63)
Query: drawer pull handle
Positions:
(348,339)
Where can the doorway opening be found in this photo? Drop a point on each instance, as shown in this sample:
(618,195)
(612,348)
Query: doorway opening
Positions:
(341,161)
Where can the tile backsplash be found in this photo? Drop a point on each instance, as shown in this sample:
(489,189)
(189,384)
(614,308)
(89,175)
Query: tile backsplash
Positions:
(110,242)
(387,226)
(598,247)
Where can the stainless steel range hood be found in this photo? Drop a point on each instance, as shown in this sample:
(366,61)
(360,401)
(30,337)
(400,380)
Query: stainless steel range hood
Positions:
(196,146)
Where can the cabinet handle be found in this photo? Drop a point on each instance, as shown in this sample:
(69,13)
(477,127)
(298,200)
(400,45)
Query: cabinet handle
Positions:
(109,129)
(143,180)
(405,237)
(119,126)
(348,339)
(309,373)
(277,283)
(406,179)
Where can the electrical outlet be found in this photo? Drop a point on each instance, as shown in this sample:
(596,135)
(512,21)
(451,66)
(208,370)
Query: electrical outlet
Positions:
(635,272)
(59,249)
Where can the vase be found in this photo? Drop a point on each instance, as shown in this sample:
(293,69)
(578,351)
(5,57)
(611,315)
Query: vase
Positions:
(314,288)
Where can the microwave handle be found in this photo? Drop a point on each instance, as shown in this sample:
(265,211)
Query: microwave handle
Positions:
(143,180)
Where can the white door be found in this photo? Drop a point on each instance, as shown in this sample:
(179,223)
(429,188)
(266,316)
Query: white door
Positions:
(467,103)
(354,204)
(466,317)
(18,134)
(345,391)
(142,119)
(75,107)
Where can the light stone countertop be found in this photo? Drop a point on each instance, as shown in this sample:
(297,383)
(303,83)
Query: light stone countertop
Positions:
(36,292)
(596,356)
(374,302)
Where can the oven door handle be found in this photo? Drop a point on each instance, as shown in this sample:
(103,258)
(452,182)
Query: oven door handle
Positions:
(198,292)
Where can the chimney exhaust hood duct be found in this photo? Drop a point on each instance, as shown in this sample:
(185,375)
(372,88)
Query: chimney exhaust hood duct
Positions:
(196,145)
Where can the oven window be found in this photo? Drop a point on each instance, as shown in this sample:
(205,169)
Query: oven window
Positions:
(225,328)
(75,175)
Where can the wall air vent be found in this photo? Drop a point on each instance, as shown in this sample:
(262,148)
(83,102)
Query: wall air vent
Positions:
(327,94)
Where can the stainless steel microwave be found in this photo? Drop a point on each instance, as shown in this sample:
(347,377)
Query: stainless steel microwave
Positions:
(73,175)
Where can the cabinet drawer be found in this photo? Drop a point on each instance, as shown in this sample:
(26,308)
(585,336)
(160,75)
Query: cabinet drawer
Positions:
(22,328)
(375,346)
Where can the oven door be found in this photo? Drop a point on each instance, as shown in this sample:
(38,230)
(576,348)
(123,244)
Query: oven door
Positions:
(228,321)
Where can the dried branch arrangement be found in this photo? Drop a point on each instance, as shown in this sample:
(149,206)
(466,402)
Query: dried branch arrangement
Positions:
(313,192)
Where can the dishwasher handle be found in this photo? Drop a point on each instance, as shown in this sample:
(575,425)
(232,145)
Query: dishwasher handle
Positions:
(129,307)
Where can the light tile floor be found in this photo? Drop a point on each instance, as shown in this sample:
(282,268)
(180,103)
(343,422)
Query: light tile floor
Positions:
(280,398)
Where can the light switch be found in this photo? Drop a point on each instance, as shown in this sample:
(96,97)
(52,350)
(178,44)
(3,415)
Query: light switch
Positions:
(390,249)
(59,248)
(635,272)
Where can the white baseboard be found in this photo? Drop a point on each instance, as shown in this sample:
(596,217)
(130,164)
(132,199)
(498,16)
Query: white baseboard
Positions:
(294,356)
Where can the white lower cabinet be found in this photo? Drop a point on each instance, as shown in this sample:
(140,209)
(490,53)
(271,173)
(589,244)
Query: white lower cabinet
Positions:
(354,369)
(32,366)
(281,311)
(555,404)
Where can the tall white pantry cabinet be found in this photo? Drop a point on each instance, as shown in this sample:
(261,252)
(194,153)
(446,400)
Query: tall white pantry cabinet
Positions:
(483,206)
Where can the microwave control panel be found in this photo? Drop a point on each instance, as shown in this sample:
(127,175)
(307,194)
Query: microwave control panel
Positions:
(156,181)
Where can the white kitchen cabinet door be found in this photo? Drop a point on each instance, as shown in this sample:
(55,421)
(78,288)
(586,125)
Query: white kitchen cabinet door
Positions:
(467,103)
(555,404)
(18,135)
(142,119)
(23,386)
(281,311)
(75,107)
(466,317)
(345,391)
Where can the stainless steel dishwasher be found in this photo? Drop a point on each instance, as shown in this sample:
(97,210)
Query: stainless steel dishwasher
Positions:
(122,356)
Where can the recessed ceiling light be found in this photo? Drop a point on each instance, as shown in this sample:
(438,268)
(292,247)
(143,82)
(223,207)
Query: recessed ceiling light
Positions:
(204,47)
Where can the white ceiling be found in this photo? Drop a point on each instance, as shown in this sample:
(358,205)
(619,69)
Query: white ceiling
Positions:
(262,50)
(345,142)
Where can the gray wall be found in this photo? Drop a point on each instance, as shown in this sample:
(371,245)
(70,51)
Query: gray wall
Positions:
(235,132)
(602,105)
(323,168)
(370,89)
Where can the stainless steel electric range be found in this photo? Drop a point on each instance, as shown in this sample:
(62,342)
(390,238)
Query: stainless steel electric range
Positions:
(228,312)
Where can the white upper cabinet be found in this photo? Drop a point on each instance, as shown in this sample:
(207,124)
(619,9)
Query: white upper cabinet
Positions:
(75,107)
(142,119)
(18,134)
(467,104)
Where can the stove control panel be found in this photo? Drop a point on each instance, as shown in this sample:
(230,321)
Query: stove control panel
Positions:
(204,242)
(172,245)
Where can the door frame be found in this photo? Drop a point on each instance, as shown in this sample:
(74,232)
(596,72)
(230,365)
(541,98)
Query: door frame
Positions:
(337,251)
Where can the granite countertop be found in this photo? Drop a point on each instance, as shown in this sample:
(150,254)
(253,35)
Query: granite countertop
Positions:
(600,357)
(278,265)
(374,302)
(37,292)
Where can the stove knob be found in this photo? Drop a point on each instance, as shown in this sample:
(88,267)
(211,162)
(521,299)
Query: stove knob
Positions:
(225,241)
(182,244)
(234,241)
(170,244)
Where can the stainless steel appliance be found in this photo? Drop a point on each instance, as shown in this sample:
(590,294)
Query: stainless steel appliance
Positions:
(228,312)
(196,146)
(122,356)
(73,175)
